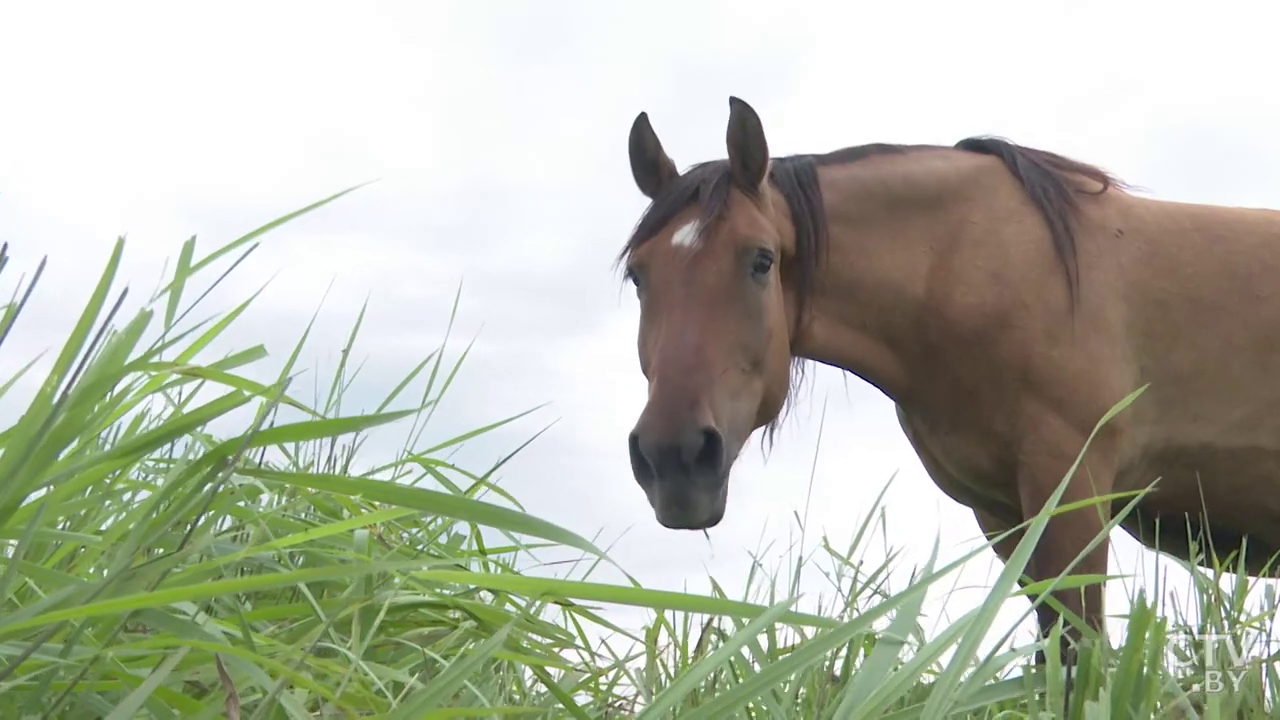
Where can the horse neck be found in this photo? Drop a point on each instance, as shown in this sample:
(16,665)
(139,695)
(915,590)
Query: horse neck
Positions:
(888,221)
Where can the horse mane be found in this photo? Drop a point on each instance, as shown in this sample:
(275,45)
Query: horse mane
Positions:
(1048,179)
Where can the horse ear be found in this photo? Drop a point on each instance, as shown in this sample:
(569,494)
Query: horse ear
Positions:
(650,166)
(748,151)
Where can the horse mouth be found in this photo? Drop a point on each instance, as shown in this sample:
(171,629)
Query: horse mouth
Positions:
(690,506)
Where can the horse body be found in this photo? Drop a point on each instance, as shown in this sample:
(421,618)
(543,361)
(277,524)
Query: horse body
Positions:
(937,275)
(1195,287)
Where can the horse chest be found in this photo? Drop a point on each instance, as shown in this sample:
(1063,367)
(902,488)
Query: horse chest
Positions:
(963,462)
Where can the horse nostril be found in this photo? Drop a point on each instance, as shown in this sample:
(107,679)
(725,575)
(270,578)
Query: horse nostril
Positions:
(693,455)
(640,465)
(710,456)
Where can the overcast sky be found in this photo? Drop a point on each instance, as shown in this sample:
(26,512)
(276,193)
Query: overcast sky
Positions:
(497,133)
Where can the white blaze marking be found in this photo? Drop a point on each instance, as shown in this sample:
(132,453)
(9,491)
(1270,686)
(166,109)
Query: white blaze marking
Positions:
(686,235)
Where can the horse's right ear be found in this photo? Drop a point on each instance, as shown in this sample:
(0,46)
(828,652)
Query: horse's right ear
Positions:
(650,166)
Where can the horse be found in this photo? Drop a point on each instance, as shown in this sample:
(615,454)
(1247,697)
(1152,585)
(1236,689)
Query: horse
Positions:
(1005,298)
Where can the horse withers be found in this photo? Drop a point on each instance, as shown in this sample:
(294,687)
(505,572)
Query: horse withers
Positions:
(1005,298)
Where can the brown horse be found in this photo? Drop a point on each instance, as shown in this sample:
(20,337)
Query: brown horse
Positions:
(1004,298)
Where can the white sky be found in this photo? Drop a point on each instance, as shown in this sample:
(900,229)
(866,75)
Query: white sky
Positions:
(497,132)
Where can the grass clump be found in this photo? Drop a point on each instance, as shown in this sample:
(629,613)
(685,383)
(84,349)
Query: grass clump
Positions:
(151,567)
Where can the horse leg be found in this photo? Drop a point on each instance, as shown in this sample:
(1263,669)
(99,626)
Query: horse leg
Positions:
(993,527)
(1041,467)
(1042,464)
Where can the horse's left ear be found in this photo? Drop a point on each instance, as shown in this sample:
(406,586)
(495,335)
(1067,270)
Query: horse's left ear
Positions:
(748,151)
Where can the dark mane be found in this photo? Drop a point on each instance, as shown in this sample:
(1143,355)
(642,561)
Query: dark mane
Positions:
(1045,176)
(1047,179)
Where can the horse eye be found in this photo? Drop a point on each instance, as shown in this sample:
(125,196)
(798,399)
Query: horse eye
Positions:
(762,264)
(634,277)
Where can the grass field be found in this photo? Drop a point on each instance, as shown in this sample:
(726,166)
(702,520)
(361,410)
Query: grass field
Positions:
(154,569)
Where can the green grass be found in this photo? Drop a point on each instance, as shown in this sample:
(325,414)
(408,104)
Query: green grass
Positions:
(152,568)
